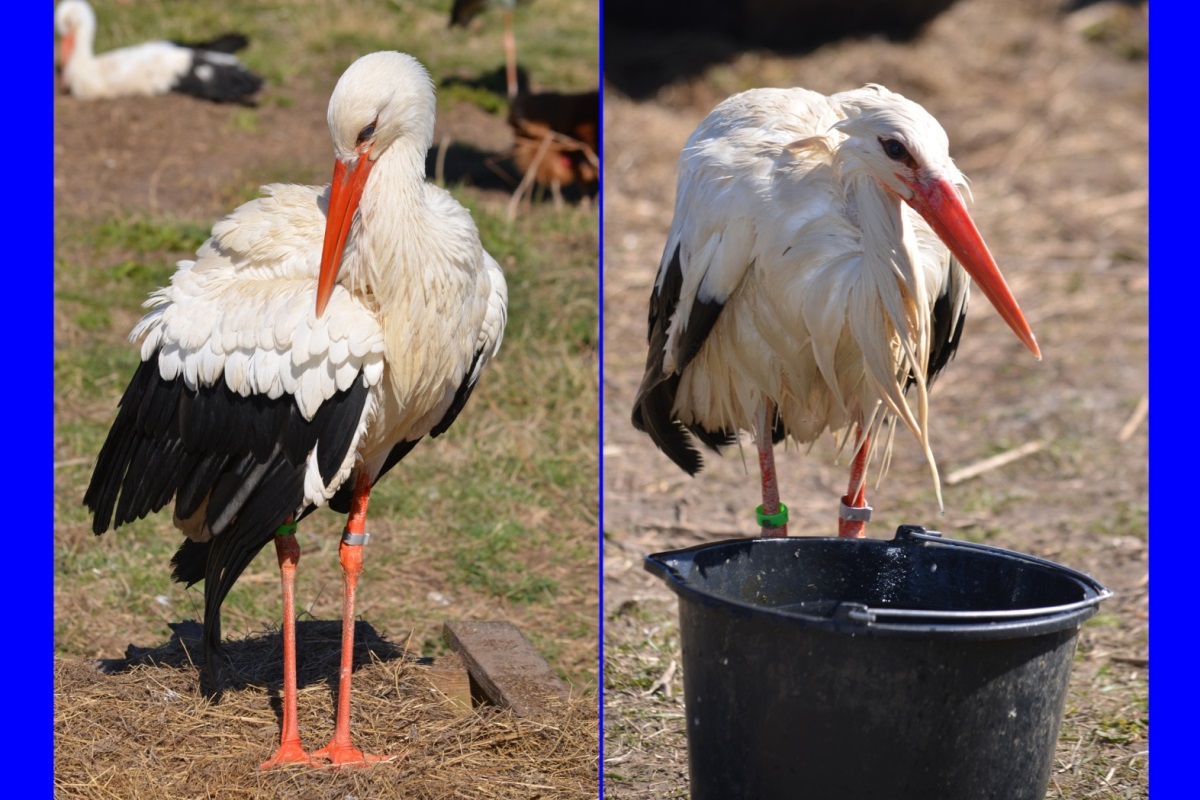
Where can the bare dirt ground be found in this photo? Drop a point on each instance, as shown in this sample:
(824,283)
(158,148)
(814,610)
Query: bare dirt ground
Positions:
(1048,118)
(179,157)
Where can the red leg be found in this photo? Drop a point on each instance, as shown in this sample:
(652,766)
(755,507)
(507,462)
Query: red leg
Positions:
(290,750)
(510,55)
(771,507)
(339,750)
(852,521)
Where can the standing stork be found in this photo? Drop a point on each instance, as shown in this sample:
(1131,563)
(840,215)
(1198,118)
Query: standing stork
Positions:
(320,333)
(207,69)
(816,270)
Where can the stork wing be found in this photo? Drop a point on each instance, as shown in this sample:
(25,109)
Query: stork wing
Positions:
(246,408)
(241,387)
(705,259)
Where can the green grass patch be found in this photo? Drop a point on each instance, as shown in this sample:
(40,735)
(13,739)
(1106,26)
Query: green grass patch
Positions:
(302,40)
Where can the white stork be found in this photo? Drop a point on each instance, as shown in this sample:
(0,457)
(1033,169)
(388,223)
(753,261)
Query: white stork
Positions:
(207,70)
(816,270)
(320,333)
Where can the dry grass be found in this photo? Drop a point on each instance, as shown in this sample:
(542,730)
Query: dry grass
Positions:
(143,730)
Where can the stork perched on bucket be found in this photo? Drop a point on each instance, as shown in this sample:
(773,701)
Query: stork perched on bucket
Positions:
(817,269)
(320,333)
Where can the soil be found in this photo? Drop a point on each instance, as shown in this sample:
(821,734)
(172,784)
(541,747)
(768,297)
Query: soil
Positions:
(1047,115)
(178,156)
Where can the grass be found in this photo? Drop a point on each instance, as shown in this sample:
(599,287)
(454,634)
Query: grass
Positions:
(643,697)
(494,520)
(295,41)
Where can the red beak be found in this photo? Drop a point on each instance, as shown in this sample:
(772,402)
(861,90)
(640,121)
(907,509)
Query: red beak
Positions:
(938,201)
(344,194)
(67,47)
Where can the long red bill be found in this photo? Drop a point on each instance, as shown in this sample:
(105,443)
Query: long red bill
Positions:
(344,194)
(939,203)
(67,47)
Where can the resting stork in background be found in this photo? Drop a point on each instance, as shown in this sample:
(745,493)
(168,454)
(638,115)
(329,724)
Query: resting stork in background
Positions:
(207,69)
(816,270)
(321,332)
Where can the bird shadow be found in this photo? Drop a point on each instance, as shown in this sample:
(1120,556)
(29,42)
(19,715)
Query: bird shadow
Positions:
(462,163)
(495,82)
(465,164)
(257,660)
(649,46)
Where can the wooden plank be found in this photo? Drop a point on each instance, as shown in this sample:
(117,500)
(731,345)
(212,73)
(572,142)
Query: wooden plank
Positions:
(448,674)
(505,667)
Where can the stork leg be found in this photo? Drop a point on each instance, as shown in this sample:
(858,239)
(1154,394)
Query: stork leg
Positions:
(772,515)
(339,750)
(290,750)
(556,193)
(510,55)
(855,513)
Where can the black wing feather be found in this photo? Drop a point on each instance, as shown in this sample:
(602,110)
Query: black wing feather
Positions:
(656,396)
(225,43)
(218,77)
(170,441)
(946,327)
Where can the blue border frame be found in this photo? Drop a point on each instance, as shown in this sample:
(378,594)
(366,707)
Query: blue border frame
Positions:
(1173,384)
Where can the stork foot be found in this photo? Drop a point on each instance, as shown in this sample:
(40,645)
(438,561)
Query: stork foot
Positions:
(288,753)
(347,755)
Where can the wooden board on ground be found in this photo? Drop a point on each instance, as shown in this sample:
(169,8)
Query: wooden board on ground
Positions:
(505,667)
(448,674)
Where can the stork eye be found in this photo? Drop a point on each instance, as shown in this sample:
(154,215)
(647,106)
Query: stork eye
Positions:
(366,133)
(894,150)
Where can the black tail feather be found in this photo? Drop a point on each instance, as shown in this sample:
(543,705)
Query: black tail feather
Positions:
(220,78)
(652,415)
(225,43)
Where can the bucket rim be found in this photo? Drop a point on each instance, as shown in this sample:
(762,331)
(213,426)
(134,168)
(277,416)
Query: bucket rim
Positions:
(861,618)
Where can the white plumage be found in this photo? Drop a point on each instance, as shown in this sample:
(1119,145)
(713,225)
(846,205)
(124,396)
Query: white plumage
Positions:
(152,68)
(243,312)
(318,335)
(812,267)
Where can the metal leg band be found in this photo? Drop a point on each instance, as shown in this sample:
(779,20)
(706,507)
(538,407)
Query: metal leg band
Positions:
(855,513)
(355,538)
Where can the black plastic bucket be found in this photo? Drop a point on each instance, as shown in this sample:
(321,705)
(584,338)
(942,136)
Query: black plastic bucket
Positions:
(848,669)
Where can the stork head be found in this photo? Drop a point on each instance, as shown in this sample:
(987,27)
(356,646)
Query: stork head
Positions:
(75,21)
(898,144)
(383,100)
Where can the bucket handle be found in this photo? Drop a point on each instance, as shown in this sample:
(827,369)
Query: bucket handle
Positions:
(921,534)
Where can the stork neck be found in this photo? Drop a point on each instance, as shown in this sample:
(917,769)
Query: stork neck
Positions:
(888,239)
(85,35)
(400,233)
